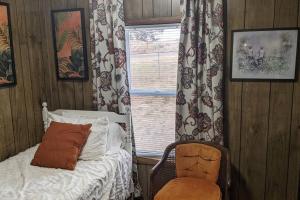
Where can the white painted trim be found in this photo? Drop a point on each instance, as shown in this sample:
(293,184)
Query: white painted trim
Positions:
(45,115)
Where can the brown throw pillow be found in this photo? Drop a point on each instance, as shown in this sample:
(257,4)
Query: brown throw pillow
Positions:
(61,145)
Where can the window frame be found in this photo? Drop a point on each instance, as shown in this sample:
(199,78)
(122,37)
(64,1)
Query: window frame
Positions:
(144,92)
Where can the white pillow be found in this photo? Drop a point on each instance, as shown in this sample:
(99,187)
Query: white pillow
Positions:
(116,134)
(115,138)
(96,144)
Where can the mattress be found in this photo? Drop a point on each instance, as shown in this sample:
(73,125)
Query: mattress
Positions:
(109,178)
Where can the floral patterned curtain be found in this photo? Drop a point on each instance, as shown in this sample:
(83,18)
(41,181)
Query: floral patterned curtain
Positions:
(110,75)
(199,103)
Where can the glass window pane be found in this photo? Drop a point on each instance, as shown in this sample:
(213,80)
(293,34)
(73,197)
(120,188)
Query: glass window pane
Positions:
(153,58)
(153,121)
(152,62)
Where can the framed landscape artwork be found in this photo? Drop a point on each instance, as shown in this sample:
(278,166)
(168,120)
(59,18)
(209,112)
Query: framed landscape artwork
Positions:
(70,44)
(264,54)
(7,65)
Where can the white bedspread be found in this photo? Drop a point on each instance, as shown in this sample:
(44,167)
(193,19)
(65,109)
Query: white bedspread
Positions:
(109,178)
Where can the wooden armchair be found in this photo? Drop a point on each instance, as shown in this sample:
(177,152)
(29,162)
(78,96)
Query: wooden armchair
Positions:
(165,170)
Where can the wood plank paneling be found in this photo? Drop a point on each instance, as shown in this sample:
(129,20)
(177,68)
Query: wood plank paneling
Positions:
(265,116)
(133,9)
(33,30)
(144,171)
(255,114)
(148,8)
(7,144)
(293,187)
(78,95)
(281,100)
(66,94)
(175,7)
(24,65)
(236,20)
(162,8)
(18,110)
(136,9)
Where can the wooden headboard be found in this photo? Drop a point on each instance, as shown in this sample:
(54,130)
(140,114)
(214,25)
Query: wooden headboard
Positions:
(112,117)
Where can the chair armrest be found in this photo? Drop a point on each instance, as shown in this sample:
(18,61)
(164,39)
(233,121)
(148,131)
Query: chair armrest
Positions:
(162,172)
(228,177)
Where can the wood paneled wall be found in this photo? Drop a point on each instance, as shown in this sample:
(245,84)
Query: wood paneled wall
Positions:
(20,106)
(20,117)
(138,9)
(144,169)
(262,118)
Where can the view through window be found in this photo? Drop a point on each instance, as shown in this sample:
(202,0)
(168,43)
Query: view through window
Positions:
(152,54)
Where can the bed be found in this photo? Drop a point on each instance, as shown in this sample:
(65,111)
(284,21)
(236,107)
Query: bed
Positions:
(108,178)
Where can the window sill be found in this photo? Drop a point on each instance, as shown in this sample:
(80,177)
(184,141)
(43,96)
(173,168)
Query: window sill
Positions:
(147,160)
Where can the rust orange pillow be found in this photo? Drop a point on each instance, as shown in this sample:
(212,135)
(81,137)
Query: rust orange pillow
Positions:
(61,145)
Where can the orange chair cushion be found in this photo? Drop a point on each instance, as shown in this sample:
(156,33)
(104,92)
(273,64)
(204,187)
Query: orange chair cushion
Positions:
(189,189)
(198,160)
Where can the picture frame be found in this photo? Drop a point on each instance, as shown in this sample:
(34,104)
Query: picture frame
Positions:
(264,54)
(68,30)
(7,63)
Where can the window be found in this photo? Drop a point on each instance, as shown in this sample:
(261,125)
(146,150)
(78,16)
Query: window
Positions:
(152,57)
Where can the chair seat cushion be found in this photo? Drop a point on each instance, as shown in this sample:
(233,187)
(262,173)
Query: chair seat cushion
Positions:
(187,188)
